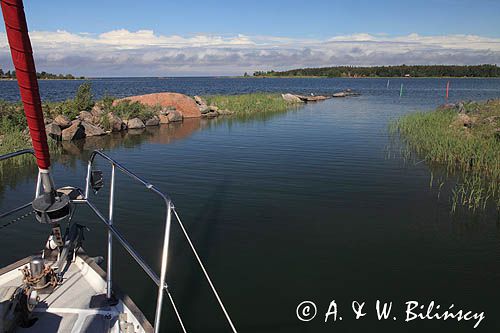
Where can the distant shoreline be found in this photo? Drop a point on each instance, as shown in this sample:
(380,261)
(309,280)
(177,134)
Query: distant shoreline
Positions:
(365,77)
(393,71)
(75,79)
(264,77)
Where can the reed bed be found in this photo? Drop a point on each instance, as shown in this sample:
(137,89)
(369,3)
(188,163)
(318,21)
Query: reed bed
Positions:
(467,144)
(246,104)
(14,136)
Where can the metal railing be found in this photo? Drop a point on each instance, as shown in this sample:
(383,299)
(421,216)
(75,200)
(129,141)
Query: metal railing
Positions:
(19,153)
(160,281)
(38,181)
(112,231)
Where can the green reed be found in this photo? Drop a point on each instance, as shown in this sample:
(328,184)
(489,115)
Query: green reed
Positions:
(250,103)
(470,151)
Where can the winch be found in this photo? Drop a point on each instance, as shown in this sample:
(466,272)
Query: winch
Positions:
(51,207)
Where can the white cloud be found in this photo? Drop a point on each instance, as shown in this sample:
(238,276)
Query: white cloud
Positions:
(122,52)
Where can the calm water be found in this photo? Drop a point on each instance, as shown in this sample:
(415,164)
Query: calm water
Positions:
(305,205)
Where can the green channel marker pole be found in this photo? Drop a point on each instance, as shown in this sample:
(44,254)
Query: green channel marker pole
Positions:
(401,91)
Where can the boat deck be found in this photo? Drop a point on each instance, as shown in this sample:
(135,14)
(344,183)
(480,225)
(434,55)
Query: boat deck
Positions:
(79,304)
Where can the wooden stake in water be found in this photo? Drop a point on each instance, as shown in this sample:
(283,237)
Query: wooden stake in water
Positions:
(387,84)
(401,91)
(447,89)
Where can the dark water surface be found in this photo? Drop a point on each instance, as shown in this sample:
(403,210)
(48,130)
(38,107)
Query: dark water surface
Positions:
(305,205)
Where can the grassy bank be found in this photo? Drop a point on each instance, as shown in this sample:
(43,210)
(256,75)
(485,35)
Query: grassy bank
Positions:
(13,127)
(466,140)
(249,103)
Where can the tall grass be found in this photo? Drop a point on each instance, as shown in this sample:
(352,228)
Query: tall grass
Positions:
(14,140)
(246,104)
(128,110)
(13,135)
(471,152)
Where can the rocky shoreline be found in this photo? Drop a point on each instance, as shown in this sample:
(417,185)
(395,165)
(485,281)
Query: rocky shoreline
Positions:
(315,98)
(172,108)
(169,108)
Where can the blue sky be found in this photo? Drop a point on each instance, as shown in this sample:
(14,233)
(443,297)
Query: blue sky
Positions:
(228,37)
(284,18)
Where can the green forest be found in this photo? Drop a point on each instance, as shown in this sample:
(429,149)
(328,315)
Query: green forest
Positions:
(41,76)
(390,71)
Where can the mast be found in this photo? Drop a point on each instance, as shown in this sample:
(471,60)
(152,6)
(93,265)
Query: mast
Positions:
(22,57)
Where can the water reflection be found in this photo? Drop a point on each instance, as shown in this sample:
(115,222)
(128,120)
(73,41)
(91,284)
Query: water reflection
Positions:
(163,134)
(13,173)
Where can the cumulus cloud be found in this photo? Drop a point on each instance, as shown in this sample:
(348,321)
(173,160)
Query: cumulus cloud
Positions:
(123,52)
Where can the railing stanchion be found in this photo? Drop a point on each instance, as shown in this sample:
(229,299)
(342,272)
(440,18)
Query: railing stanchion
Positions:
(163,271)
(87,180)
(110,235)
(38,184)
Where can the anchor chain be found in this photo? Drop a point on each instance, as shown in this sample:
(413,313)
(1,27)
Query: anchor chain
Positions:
(48,274)
(18,219)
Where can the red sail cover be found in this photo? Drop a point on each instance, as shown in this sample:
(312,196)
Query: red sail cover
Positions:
(22,57)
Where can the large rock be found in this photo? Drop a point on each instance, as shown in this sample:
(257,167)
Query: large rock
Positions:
(74,132)
(461,107)
(345,93)
(116,124)
(53,131)
(135,123)
(202,105)
(153,121)
(163,118)
(211,114)
(204,109)
(463,120)
(86,116)
(199,100)
(174,116)
(62,121)
(182,103)
(312,98)
(291,98)
(92,130)
(447,106)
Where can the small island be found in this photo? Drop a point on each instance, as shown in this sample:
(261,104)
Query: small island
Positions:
(11,75)
(485,70)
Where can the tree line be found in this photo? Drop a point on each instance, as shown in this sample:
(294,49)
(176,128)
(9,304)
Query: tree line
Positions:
(391,71)
(42,75)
